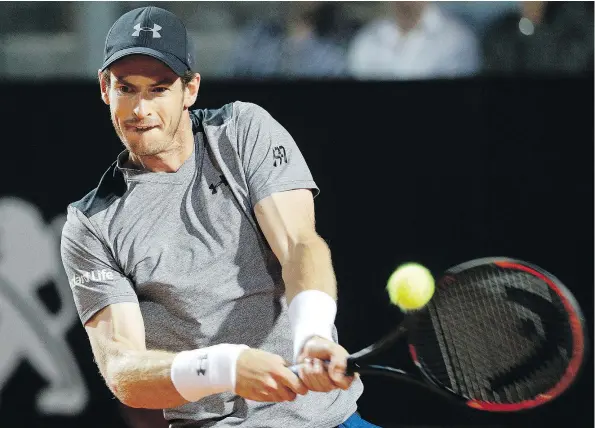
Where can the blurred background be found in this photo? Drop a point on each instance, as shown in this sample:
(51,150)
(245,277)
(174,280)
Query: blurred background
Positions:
(437,131)
(361,40)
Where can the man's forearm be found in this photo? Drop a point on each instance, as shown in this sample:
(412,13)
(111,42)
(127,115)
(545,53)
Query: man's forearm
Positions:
(308,274)
(309,267)
(158,379)
(142,379)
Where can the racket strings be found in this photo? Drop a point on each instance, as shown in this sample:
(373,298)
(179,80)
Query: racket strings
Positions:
(495,335)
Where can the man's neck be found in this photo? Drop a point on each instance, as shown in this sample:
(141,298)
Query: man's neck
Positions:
(408,15)
(173,158)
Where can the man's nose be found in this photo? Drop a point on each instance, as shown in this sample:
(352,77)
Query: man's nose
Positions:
(141,110)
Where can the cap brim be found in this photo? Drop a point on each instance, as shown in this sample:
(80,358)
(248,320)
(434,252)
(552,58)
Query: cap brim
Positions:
(171,61)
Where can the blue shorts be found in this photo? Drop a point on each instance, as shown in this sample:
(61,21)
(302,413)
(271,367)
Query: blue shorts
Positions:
(355,421)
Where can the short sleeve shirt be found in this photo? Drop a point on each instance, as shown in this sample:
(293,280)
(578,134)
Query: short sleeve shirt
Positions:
(186,246)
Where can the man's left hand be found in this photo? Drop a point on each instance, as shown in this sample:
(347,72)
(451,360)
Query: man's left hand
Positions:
(319,376)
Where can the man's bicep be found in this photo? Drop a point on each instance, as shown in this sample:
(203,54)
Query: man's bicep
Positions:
(120,322)
(113,330)
(286,220)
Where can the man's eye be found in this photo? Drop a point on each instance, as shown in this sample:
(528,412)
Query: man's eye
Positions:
(124,89)
(159,89)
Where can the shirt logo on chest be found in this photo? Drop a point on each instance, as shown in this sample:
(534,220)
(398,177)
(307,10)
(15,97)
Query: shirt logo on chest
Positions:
(222,181)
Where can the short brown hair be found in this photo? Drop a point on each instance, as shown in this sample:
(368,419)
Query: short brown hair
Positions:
(186,78)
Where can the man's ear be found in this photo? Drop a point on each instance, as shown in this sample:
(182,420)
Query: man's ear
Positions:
(191,91)
(104,87)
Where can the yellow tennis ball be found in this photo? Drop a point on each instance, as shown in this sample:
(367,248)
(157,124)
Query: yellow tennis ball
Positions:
(410,287)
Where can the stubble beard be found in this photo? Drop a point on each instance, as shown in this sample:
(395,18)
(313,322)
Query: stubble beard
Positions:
(153,148)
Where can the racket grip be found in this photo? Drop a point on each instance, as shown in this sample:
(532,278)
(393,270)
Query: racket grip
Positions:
(296,367)
(352,367)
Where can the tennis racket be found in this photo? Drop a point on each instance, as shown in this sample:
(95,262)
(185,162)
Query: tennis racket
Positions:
(499,335)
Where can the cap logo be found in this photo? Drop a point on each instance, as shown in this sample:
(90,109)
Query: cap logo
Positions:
(154,30)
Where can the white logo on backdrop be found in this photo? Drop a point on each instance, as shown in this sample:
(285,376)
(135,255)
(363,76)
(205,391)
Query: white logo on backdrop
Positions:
(30,258)
(154,30)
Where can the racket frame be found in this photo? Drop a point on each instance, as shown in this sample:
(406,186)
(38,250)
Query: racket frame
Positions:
(576,321)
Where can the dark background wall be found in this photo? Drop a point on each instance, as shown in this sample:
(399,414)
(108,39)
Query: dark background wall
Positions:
(437,172)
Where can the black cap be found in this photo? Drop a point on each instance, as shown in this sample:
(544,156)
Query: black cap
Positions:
(150,31)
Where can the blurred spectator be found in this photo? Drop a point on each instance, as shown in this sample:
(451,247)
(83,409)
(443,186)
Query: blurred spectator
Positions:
(306,43)
(479,15)
(418,41)
(544,37)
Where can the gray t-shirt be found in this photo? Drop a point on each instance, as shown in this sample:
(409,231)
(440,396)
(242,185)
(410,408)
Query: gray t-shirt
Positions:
(186,246)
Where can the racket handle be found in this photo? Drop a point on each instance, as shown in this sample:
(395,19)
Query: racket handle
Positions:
(351,366)
(296,367)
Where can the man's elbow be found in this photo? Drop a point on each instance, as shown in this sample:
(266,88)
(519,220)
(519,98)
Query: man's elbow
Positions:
(310,244)
(122,389)
(309,266)
(121,384)
(132,391)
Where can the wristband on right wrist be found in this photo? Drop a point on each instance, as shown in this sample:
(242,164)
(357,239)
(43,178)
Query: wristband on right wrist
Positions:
(201,372)
(311,313)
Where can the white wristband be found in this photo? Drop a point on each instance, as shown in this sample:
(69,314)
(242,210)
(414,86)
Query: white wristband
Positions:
(201,372)
(311,313)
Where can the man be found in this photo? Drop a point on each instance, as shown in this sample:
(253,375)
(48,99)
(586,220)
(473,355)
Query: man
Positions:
(195,264)
(304,42)
(416,41)
(540,37)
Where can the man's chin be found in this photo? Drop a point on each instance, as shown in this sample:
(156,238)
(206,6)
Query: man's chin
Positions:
(144,148)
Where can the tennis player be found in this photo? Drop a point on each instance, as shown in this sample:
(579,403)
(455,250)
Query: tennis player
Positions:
(195,264)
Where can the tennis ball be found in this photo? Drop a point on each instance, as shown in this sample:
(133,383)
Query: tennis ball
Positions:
(410,287)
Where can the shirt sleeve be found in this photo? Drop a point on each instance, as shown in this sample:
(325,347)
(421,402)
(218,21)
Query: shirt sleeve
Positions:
(94,276)
(270,157)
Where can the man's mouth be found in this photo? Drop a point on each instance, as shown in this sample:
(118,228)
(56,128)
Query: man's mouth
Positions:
(141,128)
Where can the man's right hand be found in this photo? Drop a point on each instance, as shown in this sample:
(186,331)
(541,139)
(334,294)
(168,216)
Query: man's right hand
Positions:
(262,376)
